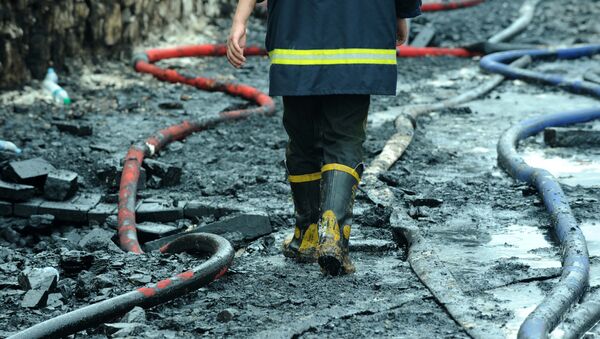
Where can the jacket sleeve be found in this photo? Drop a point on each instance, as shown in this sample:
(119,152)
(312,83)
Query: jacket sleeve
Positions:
(408,8)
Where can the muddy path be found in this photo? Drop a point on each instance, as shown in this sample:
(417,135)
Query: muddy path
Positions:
(491,233)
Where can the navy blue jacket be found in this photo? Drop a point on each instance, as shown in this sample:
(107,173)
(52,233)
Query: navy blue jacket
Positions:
(321,47)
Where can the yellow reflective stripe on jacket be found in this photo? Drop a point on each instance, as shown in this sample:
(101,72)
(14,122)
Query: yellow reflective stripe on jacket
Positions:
(296,179)
(342,168)
(343,56)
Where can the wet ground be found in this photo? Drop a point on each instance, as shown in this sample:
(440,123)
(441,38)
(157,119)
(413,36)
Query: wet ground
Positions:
(490,232)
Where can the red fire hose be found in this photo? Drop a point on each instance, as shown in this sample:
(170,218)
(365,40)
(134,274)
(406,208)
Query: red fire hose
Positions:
(447,5)
(135,155)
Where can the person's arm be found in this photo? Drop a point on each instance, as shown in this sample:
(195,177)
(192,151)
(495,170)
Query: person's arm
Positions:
(406,9)
(237,37)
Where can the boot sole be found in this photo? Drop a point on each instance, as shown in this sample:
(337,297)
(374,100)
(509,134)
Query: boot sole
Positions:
(330,265)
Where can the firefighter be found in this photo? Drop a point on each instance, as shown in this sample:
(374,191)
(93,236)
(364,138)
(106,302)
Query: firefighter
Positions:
(327,58)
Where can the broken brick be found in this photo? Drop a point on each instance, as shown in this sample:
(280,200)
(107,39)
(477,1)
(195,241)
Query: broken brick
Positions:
(136,315)
(170,175)
(99,239)
(6,209)
(247,226)
(77,129)
(28,208)
(204,208)
(38,279)
(76,261)
(41,221)
(151,231)
(60,185)
(29,172)
(109,173)
(101,212)
(159,211)
(74,210)
(424,38)
(15,192)
(35,299)
(571,137)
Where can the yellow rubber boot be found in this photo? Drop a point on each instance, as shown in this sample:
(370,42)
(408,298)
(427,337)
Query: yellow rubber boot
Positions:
(302,246)
(338,188)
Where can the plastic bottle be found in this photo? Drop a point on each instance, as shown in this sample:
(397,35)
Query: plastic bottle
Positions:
(9,146)
(50,84)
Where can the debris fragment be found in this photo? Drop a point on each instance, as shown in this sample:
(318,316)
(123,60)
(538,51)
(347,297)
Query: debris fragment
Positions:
(73,210)
(74,128)
(15,192)
(158,210)
(136,315)
(35,299)
(152,231)
(226,315)
(428,202)
(27,208)
(571,137)
(76,261)
(60,185)
(424,38)
(244,227)
(99,239)
(30,172)
(38,278)
(170,105)
(169,175)
(101,212)
(123,330)
(41,221)
(109,173)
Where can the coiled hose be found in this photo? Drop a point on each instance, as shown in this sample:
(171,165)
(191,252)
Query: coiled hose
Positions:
(575,273)
(221,255)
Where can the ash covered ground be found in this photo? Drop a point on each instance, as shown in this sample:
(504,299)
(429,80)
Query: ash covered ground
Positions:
(491,232)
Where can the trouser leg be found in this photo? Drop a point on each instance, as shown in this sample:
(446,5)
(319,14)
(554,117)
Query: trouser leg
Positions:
(344,121)
(302,119)
(344,132)
(303,160)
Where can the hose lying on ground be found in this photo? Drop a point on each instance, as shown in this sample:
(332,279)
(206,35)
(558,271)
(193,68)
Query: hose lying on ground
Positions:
(137,153)
(222,251)
(575,258)
(576,266)
(581,320)
(406,120)
(218,248)
(405,126)
(496,63)
(445,6)
(526,12)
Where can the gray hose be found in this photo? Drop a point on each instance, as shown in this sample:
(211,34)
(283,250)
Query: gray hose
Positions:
(527,11)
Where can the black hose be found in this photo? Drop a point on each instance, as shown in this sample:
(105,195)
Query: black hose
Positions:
(221,253)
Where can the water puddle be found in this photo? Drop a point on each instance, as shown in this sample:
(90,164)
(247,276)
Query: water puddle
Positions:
(579,169)
(524,244)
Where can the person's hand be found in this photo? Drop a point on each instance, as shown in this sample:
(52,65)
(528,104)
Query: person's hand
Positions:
(402,32)
(236,42)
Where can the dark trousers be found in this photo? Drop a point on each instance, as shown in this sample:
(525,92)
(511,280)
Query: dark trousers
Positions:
(324,129)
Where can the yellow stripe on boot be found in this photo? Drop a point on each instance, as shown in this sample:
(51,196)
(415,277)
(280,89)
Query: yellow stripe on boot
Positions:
(341,168)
